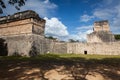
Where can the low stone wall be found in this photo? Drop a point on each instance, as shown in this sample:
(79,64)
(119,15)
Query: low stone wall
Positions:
(100,37)
(58,47)
(20,44)
(111,48)
(32,45)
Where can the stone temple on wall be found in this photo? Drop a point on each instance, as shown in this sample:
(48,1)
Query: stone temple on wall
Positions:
(23,34)
(101,33)
(21,31)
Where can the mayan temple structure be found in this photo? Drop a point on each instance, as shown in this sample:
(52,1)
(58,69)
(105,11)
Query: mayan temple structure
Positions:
(21,32)
(101,33)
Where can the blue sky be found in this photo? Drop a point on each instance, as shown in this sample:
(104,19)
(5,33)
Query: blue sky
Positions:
(73,19)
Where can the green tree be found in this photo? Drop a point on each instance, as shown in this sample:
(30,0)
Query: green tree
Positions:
(51,37)
(16,3)
(72,40)
(117,36)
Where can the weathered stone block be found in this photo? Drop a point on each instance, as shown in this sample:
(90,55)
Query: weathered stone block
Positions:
(27,22)
(26,45)
(99,37)
(101,26)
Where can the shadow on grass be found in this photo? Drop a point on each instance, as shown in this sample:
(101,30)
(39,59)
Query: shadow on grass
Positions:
(79,67)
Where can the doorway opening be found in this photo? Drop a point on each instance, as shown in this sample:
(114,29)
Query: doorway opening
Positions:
(85,52)
(3,47)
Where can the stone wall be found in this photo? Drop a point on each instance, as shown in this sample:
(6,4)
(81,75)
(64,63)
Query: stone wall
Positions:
(15,28)
(109,48)
(101,33)
(21,27)
(18,44)
(101,26)
(58,47)
(101,36)
(24,33)
(25,44)
(20,16)
(38,29)
(22,23)
(32,45)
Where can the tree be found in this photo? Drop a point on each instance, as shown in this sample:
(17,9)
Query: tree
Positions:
(16,3)
(72,40)
(51,37)
(117,36)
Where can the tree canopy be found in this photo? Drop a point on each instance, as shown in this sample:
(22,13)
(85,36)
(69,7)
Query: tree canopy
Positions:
(51,37)
(117,36)
(72,40)
(16,3)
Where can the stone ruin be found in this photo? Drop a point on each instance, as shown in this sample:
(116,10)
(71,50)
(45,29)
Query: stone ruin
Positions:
(23,34)
(27,22)
(101,33)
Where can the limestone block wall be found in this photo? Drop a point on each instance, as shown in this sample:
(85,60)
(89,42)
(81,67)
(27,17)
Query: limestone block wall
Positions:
(18,44)
(76,48)
(58,47)
(22,26)
(33,44)
(15,28)
(91,38)
(40,44)
(112,48)
(101,26)
(38,26)
(38,29)
(25,44)
(101,36)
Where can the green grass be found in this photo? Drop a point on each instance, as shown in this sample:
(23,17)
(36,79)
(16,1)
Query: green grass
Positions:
(70,59)
(60,56)
(88,56)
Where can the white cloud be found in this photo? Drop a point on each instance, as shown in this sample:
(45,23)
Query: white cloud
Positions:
(54,27)
(116,21)
(104,13)
(84,28)
(81,36)
(86,18)
(43,8)
(81,33)
(110,10)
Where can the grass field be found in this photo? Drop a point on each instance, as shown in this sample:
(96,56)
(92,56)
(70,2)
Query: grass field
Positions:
(78,65)
(62,56)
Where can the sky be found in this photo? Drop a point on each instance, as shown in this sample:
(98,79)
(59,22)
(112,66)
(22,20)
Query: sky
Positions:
(72,19)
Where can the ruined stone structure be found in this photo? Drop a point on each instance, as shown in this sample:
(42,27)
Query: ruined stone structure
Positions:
(101,26)
(27,22)
(23,34)
(101,33)
(108,48)
(20,31)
